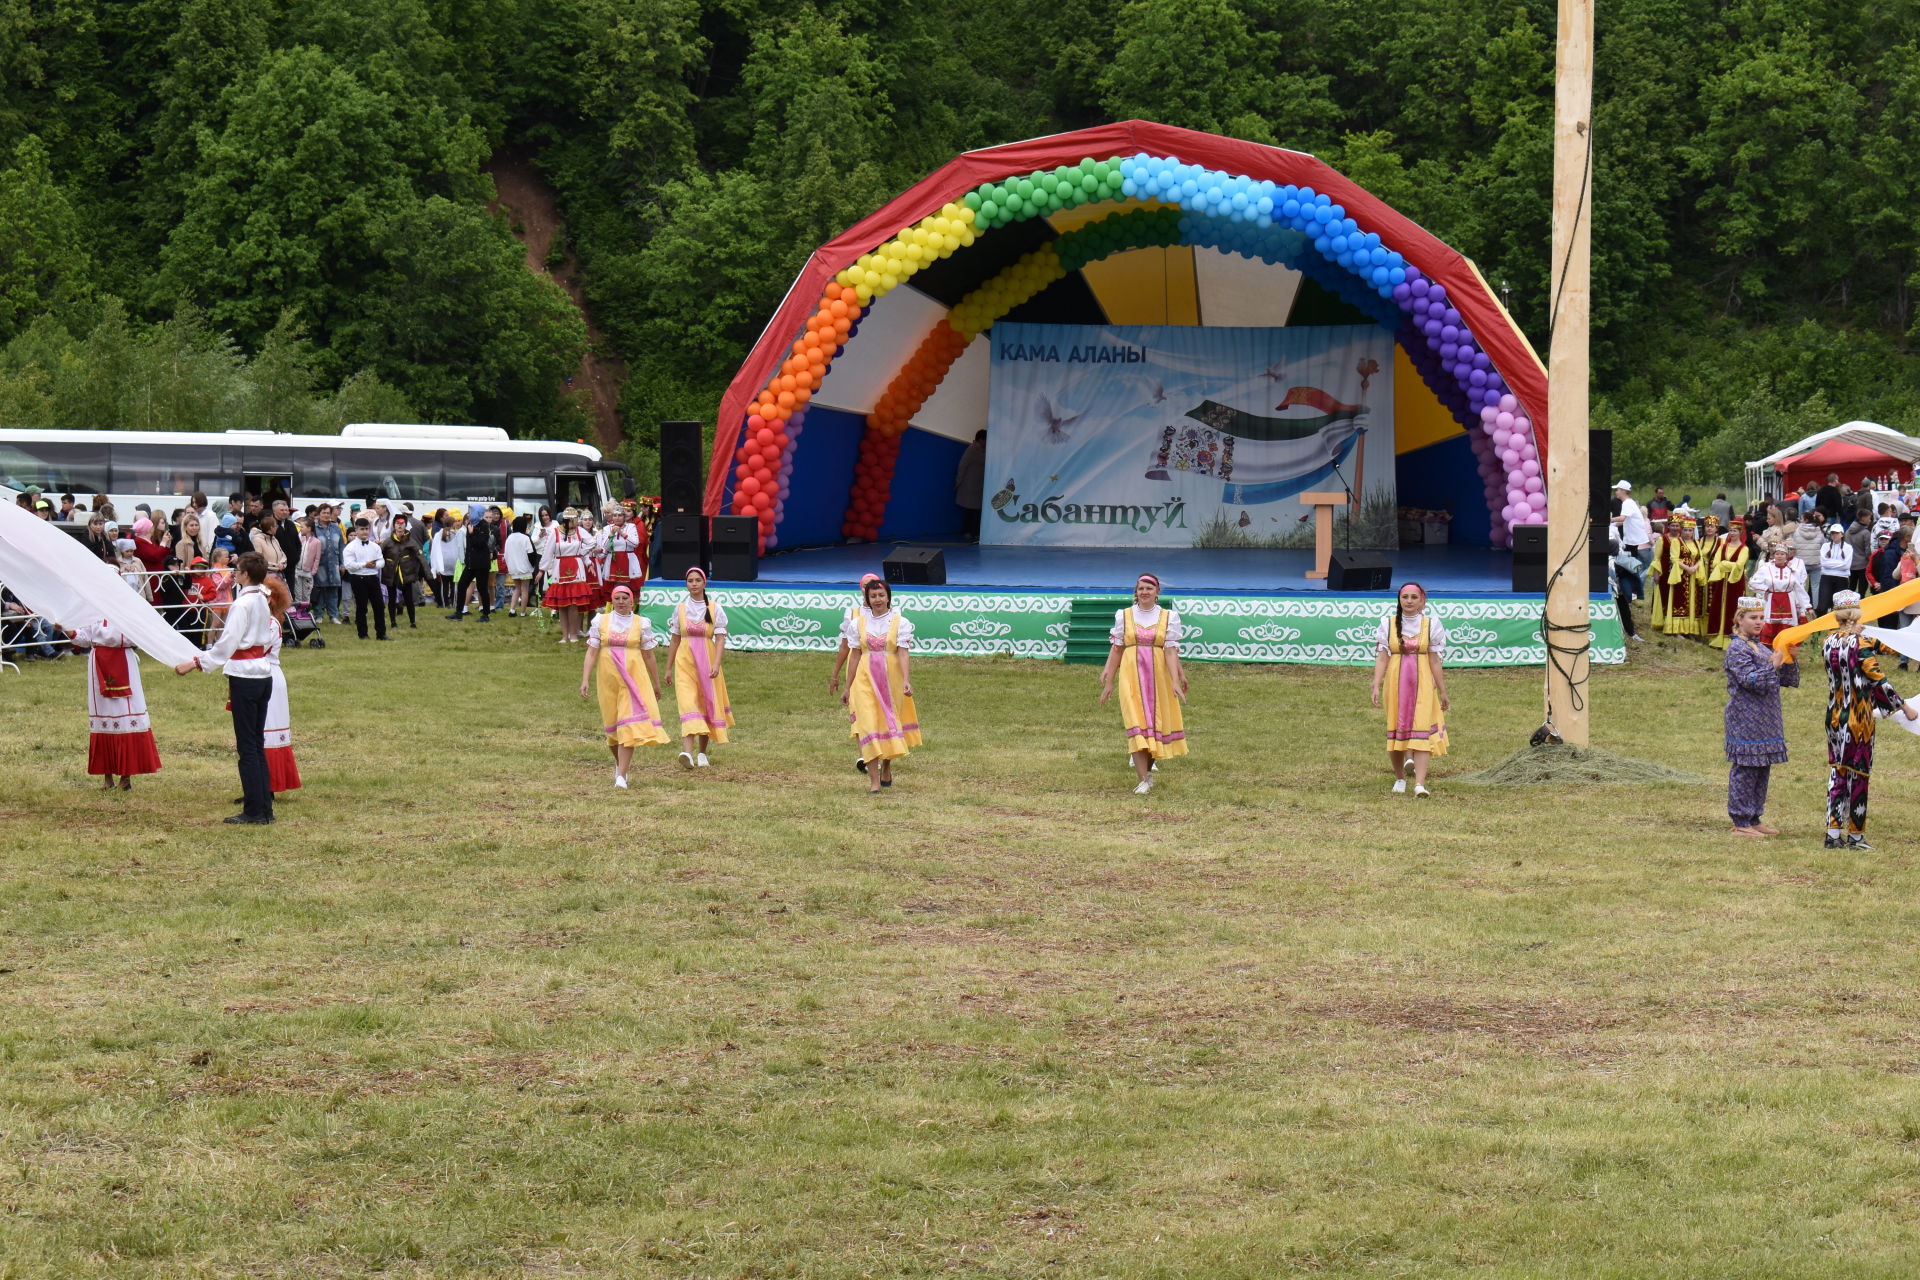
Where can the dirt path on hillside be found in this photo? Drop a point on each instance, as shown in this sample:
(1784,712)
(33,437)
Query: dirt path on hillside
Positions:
(526,199)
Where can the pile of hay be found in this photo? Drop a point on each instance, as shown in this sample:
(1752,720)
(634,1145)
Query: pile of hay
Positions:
(1585,766)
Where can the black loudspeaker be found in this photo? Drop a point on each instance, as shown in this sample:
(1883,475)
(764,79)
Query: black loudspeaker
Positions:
(677,546)
(679,468)
(733,548)
(1530,558)
(916,566)
(1359,571)
(1600,476)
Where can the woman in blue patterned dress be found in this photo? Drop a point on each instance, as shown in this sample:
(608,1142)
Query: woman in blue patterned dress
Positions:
(1756,738)
(1855,690)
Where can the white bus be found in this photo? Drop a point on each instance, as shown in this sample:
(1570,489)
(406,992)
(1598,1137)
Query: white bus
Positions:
(424,466)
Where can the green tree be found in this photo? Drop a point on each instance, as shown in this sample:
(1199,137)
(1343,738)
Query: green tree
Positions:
(44,265)
(451,316)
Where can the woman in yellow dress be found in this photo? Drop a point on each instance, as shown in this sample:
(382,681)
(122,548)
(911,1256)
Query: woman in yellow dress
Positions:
(1146,657)
(879,696)
(1407,660)
(698,631)
(618,641)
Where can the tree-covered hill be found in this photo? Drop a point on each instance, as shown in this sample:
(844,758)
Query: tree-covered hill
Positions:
(293,194)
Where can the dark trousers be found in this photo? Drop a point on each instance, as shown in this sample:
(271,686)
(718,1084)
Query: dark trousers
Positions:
(398,596)
(480,578)
(970,523)
(249,700)
(1828,585)
(366,595)
(443,590)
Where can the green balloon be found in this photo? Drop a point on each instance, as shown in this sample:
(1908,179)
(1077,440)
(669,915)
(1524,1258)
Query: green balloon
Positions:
(1024,188)
(986,209)
(972,201)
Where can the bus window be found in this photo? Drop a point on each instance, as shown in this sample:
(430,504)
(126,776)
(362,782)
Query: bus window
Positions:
(313,473)
(471,478)
(366,474)
(155,468)
(527,493)
(57,468)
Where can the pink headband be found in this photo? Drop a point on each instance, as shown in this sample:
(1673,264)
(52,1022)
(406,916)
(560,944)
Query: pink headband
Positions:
(865,578)
(622,591)
(1147,577)
(697,569)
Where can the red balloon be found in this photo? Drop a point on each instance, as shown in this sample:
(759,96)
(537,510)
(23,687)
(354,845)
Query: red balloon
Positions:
(755,422)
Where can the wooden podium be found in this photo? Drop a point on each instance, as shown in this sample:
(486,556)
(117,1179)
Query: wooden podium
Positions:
(1324,505)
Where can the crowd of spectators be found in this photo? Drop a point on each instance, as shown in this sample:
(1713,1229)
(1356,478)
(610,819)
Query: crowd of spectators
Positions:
(378,564)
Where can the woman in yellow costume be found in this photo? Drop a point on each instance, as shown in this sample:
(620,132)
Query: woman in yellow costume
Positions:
(1407,662)
(879,696)
(1146,657)
(699,636)
(1686,582)
(620,653)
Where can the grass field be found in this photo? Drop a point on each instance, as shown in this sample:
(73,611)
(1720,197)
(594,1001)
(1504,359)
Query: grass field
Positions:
(468,1011)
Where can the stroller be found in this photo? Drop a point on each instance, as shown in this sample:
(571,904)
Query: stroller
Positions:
(300,628)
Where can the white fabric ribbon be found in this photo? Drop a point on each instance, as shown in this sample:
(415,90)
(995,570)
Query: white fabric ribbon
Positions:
(58,578)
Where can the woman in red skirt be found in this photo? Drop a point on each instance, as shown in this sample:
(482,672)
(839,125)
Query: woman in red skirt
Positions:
(120,736)
(569,587)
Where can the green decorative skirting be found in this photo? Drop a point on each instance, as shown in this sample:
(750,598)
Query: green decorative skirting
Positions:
(1323,630)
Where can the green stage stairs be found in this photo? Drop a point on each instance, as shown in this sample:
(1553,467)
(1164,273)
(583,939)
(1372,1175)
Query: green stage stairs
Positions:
(1089,623)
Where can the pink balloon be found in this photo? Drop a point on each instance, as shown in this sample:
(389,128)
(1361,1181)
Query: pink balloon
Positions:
(1508,404)
(1534,486)
(1502,438)
(1487,413)
(1511,457)
(1505,420)
(1529,467)
(1506,513)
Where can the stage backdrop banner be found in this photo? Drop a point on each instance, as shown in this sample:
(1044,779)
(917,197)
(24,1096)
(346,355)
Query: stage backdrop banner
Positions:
(1185,436)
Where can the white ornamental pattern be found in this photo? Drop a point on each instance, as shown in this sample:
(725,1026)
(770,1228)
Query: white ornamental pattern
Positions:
(789,624)
(981,629)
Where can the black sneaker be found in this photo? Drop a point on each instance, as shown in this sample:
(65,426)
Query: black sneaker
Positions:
(1836,842)
(248,820)
(456,617)
(1859,844)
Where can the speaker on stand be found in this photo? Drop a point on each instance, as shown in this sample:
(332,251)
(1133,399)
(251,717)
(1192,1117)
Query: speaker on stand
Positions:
(733,548)
(680,468)
(678,545)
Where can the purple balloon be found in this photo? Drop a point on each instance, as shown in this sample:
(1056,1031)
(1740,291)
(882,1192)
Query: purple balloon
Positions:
(1478,377)
(1451,316)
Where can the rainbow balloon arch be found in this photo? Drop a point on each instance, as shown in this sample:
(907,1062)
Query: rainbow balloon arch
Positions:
(1170,187)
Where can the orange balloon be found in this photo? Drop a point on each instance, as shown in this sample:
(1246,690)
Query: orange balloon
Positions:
(850,296)
(801,396)
(787,401)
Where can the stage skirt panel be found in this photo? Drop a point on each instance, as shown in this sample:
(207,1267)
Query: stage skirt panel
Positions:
(569,587)
(628,712)
(119,733)
(885,721)
(283,772)
(1149,711)
(699,686)
(1409,696)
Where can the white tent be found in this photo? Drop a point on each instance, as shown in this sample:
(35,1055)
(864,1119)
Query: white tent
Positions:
(1766,476)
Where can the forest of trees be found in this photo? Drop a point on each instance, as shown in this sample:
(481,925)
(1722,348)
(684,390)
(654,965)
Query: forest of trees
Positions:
(274,212)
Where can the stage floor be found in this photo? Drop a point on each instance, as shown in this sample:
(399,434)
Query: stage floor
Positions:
(1455,571)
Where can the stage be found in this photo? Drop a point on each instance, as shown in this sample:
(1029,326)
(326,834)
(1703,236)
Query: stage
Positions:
(1237,604)
(1471,572)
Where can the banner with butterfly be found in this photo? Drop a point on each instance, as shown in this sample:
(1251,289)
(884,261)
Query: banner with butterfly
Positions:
(1177,436)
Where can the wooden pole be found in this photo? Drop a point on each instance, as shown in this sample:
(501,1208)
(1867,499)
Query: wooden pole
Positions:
(1568,693)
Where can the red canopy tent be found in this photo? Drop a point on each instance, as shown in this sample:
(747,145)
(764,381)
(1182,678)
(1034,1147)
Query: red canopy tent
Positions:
(1853,462)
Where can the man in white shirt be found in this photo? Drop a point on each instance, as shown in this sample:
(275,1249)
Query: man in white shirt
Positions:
(361,560)
(1636,535)
(246,648)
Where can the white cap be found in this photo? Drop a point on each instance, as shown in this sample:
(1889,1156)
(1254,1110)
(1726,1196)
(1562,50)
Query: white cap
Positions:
(1845,599)
(1622,484)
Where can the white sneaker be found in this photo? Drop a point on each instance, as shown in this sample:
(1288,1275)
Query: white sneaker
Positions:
(1421,793)
(1154,767)
(1637,639)
(686,761)
(700,761)
(1399,786)
(620,781)
(1146,785)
